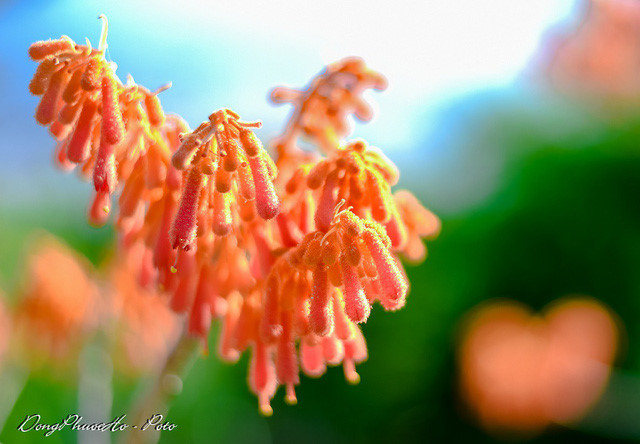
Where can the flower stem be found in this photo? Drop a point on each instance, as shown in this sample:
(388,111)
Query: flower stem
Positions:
(166,386)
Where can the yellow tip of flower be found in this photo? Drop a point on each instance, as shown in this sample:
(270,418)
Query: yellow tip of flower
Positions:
(105,209)
(291,400)
(266,410)
(354,379)
(173,269)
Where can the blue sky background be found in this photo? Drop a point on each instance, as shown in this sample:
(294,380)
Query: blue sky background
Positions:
(439,56)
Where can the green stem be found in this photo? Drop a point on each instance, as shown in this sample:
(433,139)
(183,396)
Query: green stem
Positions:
(166,386)
(13,379)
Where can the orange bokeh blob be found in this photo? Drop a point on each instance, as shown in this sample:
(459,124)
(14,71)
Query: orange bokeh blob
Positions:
(58,302)
(522,372)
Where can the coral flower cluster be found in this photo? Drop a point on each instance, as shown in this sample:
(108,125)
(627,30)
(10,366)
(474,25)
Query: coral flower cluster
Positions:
(104,127)
(321,109)
(64,302)
(58,303)
(289,255)
(598,57)
(145,327)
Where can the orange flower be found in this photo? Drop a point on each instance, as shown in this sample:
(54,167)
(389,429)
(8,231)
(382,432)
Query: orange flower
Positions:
(224,156)
(410,224)
(599,58)
(58,302)
(321,110)
(521,373)
(146,327)
(102,125)
(5,328)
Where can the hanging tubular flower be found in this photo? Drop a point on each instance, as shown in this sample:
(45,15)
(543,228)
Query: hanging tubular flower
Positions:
(100,123)
(354,255)
(145,328)
(58,303)
(410,224)
(321,110)
(361,177)
(226,150)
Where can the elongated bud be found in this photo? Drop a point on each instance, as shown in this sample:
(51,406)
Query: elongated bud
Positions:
(270,327)
(265,255)
(250,143)
(356,305)
(183,230)
(131,195)
(223,180)
(92,75)
(71,92)
(183,156)
(231,161)
(154,110)
(295,181)
(246,210)
(61,159)
(287,370)
(226,349)
(112,125)
(330,251)
(289,233)
(378,194)
(162,251)
(355,350)
(104,172)
(332,350)
(187,281)
(312,359)
(318,174)
(262,377)
(100,208)
(392,280)
(69,112)
(267,204)
(247,327)
(343,325)
(200,316)
(356,188)
(46,111)
(301,308)
(313,251)
(320,307)
(397,231)
(40,50)
(352,253)
(40,80)
(221,213)
(271,166)
(156,173)
(327,203)
(246,181)
(79,146)
(59,130)
(335,274)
